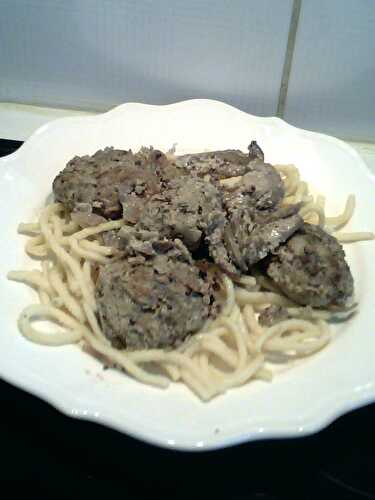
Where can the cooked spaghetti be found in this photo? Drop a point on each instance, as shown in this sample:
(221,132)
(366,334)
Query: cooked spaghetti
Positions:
(230,351)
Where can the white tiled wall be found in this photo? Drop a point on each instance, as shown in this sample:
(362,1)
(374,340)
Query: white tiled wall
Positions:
(94,54)
(332,82)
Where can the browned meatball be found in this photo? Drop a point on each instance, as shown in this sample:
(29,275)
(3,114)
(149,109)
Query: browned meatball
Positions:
(183,211)
(154,297)
(112,182)
(220,164)
(310,268)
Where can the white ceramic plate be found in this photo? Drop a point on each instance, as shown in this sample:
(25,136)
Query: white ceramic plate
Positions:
(302,399)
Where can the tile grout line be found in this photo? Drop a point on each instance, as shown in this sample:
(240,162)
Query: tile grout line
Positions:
(296,9)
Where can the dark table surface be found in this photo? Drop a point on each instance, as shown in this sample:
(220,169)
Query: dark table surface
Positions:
(39,443)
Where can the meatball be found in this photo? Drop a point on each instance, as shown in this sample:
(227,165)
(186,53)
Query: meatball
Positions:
(112,181)
(154,297)
(191,210)
(88,183)
(310,268)
(215,164)
(220,164)
(244,178)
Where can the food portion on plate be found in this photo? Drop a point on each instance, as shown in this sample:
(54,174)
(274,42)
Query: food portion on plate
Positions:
(202,268)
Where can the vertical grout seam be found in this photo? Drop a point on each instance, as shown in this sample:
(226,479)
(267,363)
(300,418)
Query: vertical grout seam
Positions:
(294,19)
